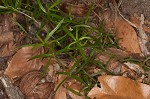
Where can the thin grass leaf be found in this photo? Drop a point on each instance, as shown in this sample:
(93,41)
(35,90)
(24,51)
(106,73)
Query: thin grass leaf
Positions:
(82,38)
(88,14)
(54,4)
(85,72)
(69,33)
(73,91)
(17,3)
(56,40)
(69,46)
(3,7)
(40,39)
(86,79)
(61,83)
(40,5)
(46,66)
(16,10)
(78,79)
(41,56)
(5,2)
(147,58)
(74,66)
(20,26)
(81,51)
(33,45)
(53,31)
(98,73)
(81,66)
(83,25)
(63,73)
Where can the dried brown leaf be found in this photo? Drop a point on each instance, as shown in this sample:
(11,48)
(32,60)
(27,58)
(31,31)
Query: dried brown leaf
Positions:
(44,90)
(29,81)
(20,64)
(33,88)
(6,37)
(143,34)
(127,35)
(117,87)
(9,49)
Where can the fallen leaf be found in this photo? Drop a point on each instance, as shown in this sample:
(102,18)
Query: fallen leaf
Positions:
(6,37)
(118,87)
(20,64)
(142,34)
(128,40)
(32,87)
(9,49)
(126,35)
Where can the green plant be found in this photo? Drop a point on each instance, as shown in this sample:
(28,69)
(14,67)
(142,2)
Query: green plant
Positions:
(66,34)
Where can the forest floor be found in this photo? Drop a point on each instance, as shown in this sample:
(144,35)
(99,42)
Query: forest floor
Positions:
(74,49)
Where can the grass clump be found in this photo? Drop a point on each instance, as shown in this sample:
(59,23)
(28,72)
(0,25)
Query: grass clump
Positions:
(66,34)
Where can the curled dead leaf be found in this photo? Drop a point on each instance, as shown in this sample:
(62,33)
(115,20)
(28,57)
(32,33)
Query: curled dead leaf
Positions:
(118,87)
(32,87)
(20,64)
(29,81)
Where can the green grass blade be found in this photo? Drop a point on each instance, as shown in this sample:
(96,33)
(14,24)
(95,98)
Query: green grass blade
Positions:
(53,31)
(40,5)
(78,79)
(20,26)
(41,56)
(73,91)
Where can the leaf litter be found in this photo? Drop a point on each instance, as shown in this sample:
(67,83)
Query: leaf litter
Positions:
(128,79)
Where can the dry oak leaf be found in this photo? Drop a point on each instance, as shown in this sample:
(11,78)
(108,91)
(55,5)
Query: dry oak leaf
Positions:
(126,35)
(118,87)
(20,64)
